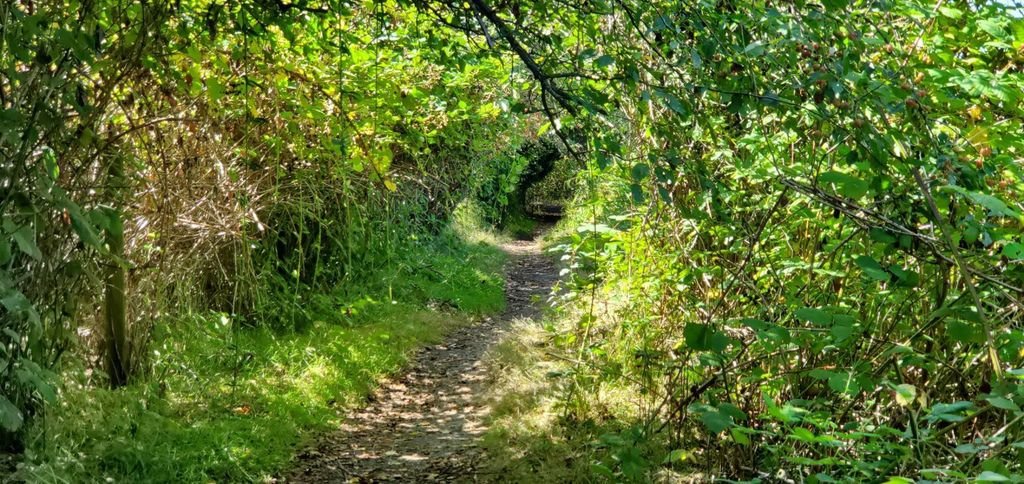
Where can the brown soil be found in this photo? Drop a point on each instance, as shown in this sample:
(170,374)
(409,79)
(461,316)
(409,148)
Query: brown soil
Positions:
(425,425)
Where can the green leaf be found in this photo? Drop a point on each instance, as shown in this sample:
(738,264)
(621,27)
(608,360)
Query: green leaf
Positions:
(969,448)
(604,61)
(1013,251)
(995,206)
(732,411)
(905,394)
(995,28)
(5,251)
(1003,403)
(543,128)
(949,412)
(899,480)
(672,101)
(637,192)
(802,434)
(26,242)
(640,171)
(833,5)
(844,383)
(814,315)
(846,184)
(83,226)
(50,162)
(739,436)
(951,12)
(989,476)
(678,455)
(872,268)
(602,470)
(10,416)
(754,49)
(214,89)
(965,332)
(715,421)
(33,380)
(702,337)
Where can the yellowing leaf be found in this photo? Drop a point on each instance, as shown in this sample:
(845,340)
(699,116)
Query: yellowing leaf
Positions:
(978,136)
(974,112)
(905,394)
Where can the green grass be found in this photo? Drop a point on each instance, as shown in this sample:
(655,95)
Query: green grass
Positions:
(543,429)
(228,403)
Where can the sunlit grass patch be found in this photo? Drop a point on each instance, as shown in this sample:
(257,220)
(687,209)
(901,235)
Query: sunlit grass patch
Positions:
(545,430)
(228,402)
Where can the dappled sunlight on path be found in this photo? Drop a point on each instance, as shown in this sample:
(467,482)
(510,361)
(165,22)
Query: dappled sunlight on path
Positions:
(426,423)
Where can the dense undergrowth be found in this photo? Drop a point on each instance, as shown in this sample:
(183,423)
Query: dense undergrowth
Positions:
(798,258)
(223,221)
(232,404)
(796,252)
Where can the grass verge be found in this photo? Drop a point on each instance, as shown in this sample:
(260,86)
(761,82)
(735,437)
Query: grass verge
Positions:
(226,403)
(545,427)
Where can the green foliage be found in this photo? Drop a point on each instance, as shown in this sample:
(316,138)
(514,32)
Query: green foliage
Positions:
(503,192)
(232,404)
(249,155)
(811,213)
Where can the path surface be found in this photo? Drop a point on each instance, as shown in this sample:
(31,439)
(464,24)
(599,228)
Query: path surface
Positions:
(424,425)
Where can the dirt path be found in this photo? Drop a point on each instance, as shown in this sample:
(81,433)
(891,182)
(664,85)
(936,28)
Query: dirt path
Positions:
(424,425)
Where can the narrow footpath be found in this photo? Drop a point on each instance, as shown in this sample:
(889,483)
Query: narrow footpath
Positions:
(425,425)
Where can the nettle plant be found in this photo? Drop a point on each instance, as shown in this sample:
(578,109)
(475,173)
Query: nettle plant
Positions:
(822,235)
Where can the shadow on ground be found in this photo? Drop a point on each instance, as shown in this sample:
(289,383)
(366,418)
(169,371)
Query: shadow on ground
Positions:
(426,424)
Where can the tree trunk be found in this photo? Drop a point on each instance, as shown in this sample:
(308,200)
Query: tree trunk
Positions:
(114,307)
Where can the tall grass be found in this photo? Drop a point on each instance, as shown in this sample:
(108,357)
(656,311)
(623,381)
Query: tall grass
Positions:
(228,403)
